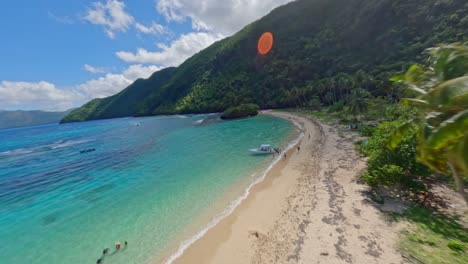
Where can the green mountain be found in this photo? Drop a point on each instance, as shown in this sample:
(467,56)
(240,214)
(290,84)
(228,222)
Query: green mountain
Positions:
(12,119)
(323,50)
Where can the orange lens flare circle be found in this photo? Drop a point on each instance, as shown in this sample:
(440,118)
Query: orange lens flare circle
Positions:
(265,43)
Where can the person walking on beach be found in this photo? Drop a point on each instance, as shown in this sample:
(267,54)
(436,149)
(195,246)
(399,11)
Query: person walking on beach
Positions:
(277,151)
(298,148)
(284,155)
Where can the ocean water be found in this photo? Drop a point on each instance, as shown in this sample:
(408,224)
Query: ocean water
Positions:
(145,183)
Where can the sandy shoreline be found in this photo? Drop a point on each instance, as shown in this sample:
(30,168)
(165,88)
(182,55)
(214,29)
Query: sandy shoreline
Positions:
(309,209)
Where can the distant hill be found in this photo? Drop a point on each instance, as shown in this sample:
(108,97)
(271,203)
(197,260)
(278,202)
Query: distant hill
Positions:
(323,49)
(12,119)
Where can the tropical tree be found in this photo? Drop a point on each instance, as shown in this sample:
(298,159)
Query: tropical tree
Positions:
(358,102)
(314,103)
(329,98)
(440,93)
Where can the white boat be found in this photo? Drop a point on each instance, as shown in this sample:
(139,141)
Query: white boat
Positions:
(264,149)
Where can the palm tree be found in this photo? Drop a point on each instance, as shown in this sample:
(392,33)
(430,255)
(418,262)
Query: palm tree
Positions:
(329,98)
(358,102)
(441,125)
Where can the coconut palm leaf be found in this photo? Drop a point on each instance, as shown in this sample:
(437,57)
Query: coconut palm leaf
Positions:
(450,131)
(398,78)
(439,56)
(418,90)
(461,153)
(450,61)
(436,160)
(456,64)
(415,75)
(450,93)
(442,129)
(414,102)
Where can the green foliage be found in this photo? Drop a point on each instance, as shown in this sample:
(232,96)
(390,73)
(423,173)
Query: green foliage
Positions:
(314,103)
(86,112)
(244,110)
(441,123)
(358,102)
(419,239)
(366,131)
(457,246)
(337,107)
(323,49)
(321,115)
(388,174)
(434,237)
(395,112)
(126,103)
(392,166)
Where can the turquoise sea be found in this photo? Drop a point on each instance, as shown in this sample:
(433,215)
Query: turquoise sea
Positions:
(145,183)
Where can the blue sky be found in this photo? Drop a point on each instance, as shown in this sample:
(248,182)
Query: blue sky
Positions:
(55,54)
(49,41)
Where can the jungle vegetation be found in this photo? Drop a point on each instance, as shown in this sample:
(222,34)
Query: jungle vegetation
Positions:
(324,52)
(243,110)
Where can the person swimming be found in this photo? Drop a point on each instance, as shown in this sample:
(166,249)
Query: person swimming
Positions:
(118,245)
(99,261)
(105,251)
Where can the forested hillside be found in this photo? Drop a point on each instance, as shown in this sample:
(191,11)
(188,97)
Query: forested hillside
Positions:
(323,50)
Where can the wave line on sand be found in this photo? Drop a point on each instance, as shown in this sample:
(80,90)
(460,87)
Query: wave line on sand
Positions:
(234,204)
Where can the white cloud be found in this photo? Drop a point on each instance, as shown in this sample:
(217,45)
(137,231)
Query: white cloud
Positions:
(111,15)
(112,83)
(47,96)
(215,18)
(39,95)
(139,71)
(226,17)
(176,53)
(107,85)
(154,28)
(93,69)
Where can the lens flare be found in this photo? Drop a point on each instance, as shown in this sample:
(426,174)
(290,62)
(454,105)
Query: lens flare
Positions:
(265,43)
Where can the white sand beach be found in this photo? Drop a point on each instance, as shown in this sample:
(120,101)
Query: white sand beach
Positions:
(309,209)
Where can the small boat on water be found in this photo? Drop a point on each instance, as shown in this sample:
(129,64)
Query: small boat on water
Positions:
(264,149)
(87,150)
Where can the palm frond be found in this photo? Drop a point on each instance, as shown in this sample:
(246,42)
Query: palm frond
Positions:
(450,131)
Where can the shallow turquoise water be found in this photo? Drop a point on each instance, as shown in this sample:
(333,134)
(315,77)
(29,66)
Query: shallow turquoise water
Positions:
(143,184)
